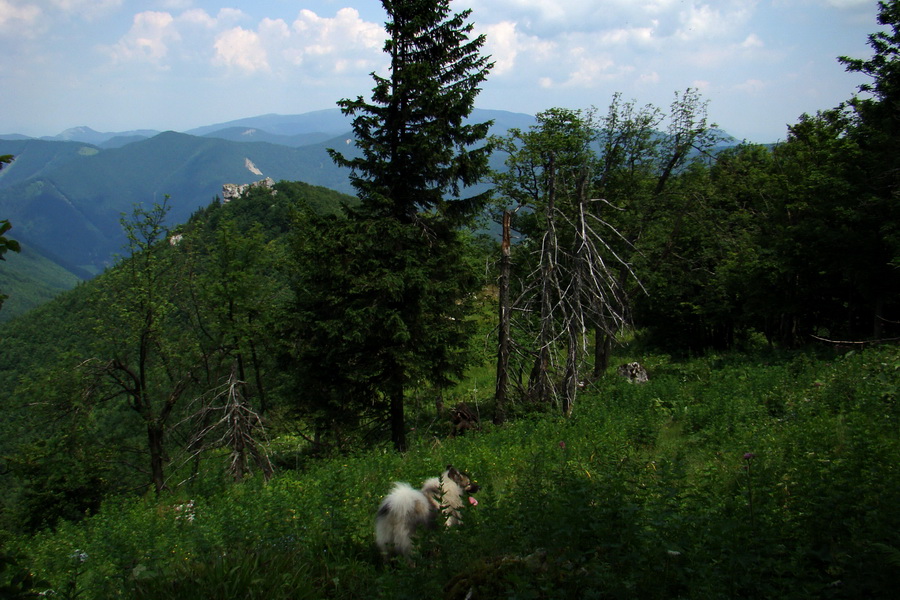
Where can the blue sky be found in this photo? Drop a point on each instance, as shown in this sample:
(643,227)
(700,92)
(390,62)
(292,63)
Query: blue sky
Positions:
(116,65)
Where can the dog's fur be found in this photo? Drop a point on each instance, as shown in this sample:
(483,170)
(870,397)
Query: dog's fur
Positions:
(405,509)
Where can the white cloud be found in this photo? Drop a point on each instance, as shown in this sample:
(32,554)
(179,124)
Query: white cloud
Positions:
(87,8)
(650,78)
(241,48)
(346,32)
(320,46)
(230,15)
(176,4)
(19,18)
(505,43)
(148,39)
(703,22)
(641,36)
(197,16)
(752,41)
(274,29)
(502,45)
(586,45)
(590,70)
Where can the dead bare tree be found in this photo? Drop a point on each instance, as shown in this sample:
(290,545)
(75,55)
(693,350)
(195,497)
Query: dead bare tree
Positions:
(572,288)
(225,419)
(505,320)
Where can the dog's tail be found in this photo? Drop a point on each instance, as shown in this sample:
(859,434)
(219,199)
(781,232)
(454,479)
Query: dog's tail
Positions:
(404,510)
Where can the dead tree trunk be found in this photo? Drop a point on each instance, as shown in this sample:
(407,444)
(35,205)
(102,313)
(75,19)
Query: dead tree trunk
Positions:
(503,342)
(239,428)
(603,340)
(576,305)
(541,386)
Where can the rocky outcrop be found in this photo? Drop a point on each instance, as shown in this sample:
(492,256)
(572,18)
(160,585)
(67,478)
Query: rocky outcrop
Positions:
(230,191)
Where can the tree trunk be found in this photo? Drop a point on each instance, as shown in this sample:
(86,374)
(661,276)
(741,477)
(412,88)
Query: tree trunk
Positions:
(398,420)
(257,374)
(155,444)
(503,342)
(576,306)
(540,375)
(570,379)
(602,349)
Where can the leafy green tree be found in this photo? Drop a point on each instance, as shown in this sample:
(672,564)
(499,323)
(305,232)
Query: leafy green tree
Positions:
(657,180)
(689,135)
(150,363)
(628,137)
(876,130)
(825,245)
(387,285)
(233,294)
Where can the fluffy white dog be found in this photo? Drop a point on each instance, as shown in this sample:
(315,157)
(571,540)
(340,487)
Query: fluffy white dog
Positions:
(405,509)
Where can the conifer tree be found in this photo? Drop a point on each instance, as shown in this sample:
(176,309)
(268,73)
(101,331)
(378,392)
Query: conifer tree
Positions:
(416,147)
(387,288)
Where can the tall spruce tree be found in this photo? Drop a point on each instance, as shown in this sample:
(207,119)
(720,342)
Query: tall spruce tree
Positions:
(416,148)
(387,287)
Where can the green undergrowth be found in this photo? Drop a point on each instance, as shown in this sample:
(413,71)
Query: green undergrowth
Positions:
(726,476)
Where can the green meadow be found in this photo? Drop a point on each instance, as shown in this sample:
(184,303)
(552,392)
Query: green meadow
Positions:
(764,475)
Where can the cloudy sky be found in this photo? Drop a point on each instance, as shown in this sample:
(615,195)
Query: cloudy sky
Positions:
(116,65)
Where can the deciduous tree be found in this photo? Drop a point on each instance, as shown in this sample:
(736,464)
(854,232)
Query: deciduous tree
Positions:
(147,364)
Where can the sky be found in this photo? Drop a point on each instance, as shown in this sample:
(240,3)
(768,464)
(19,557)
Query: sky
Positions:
(120,65)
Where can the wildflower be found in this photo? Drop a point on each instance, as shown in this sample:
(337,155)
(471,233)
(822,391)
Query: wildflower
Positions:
(79,556)
(185,512)
(749,456)
(562,445)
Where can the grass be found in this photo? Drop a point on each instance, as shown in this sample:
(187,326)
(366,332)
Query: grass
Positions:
(725,476)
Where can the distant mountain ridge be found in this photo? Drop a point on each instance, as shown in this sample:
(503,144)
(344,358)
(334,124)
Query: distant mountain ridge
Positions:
(307,128)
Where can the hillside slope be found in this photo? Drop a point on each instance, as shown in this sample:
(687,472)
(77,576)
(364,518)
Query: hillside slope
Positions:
(31,279)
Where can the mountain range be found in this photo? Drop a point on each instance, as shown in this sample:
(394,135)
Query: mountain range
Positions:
(65,195)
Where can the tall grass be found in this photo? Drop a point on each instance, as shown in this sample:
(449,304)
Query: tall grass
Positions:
(724,476)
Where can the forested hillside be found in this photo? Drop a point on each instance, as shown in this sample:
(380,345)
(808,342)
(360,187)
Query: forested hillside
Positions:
(221,411)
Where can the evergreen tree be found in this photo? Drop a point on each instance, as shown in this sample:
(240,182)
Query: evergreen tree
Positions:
(416,147)
(383,301)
